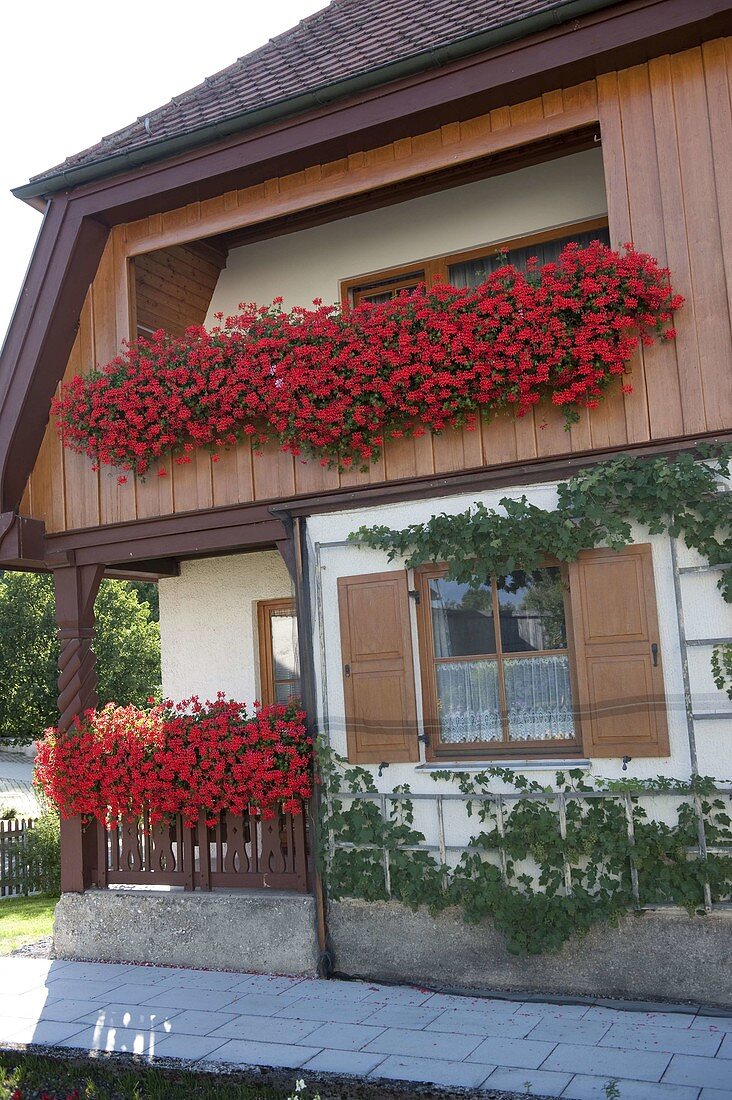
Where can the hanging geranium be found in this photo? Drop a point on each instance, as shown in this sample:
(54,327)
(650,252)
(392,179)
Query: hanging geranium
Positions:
(335,382)
(180,758)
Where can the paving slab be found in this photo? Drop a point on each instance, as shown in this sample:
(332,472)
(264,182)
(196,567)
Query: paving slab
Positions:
(369,1030)
(424,1044)
(265,1029)
(432,1072)
(637,1065)
(713,1073)
(541,1082)
(515,1053)
(353,1063)
(485,1023)
(584,1087)
(244,1053)
(336,1036)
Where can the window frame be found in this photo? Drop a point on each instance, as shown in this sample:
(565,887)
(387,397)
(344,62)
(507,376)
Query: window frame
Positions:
(437,750)
(267,681)
(436,268)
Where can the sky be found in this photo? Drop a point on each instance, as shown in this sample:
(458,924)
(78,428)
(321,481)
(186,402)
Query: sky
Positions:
(72,72)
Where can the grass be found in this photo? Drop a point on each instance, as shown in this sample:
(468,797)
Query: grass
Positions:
(29,1076)
(23,920)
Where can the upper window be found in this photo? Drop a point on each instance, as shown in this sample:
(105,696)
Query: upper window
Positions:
(496,663)
(279,659)
(474,271)
(472,268)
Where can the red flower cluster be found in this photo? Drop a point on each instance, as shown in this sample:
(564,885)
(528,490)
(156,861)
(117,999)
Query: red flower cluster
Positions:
(178,759)
(335,383)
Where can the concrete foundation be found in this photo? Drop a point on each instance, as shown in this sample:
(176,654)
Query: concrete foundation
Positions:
(648,957)
(261,931)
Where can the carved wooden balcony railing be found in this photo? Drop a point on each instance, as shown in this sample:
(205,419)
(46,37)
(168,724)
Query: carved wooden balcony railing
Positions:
(237,853)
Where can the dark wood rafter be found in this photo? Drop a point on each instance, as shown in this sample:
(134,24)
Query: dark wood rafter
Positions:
(75,227)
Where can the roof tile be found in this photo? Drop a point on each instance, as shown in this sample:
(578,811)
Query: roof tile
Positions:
(346,38)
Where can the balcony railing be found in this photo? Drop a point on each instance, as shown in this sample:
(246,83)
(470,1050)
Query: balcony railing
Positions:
(237,853)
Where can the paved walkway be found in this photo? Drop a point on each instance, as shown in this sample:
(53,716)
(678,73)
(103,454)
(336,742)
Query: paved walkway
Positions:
(397,1033)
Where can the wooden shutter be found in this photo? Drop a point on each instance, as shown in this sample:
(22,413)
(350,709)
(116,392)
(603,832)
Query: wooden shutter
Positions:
(378,674)
(619,673)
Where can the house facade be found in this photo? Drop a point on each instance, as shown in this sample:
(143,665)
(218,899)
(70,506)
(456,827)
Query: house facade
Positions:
(356,175)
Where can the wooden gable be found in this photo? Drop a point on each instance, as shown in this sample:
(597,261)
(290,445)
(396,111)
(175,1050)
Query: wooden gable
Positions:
(666,130)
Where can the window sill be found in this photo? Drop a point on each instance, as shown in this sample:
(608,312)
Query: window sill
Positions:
(503,762)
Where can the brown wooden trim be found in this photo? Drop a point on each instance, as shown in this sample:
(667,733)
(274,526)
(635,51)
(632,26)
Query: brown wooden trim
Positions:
(482,478)
(497,164)
(306,194)
(436,268)
(262,525)
(267,686)
(624,34)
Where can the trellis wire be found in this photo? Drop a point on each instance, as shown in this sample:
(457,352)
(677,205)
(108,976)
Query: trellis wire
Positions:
(498,802)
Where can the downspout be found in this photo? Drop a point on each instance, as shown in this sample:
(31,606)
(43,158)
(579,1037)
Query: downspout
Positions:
(297,535)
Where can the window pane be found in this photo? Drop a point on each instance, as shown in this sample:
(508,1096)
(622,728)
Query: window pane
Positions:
(376,299)
(286,691)
(462,619)
(532,611)
(467,700)
(285,657)
(475,272)
(538,698)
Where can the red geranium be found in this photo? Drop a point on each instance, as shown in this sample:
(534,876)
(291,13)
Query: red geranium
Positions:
(335,383)
(178,759)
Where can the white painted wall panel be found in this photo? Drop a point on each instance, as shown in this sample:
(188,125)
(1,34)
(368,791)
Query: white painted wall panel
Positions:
(338,560)
(310,264)
(208,624)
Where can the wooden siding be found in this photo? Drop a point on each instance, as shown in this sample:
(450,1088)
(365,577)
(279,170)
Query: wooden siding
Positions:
(667,147)
(174,286)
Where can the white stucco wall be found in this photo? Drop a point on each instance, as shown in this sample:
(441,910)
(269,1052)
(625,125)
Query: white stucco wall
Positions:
(208,624)
(209,644)
(310,264)
(714,738)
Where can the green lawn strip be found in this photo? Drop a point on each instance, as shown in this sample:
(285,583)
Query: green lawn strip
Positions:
(23,920)
(30,1076)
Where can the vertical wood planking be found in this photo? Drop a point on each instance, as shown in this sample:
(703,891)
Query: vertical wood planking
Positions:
(81,482)
(312,477)
(408,457)
(607,423)
(717,59)
(274,473)
(677,244)
(111,326)
(457,450)
(233,480)
(703,229)
(661,402)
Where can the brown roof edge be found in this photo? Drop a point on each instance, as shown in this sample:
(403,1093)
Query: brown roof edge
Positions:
(434,56)
(76,223)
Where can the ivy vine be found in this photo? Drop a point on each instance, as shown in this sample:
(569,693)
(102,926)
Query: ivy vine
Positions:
(681,496)
(514,873)
(722,667)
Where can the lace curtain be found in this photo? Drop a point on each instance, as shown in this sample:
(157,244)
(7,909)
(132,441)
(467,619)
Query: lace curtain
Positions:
(538,700)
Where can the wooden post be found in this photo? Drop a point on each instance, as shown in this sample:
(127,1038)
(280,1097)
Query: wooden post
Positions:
(76,589)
